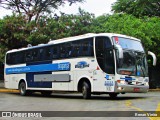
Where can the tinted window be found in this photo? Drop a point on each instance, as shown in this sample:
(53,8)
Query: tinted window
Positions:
(35,55)
(68,50)
(87,47)
(55,52)
(79,48)
(28,56)
(48,53)
(104,54)
(15,58)
(62,50)
(75,49)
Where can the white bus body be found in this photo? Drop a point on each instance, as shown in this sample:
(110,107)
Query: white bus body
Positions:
(91,63)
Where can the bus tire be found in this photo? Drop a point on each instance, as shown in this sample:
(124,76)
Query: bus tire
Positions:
(113,95)
(22,89)
(86,90)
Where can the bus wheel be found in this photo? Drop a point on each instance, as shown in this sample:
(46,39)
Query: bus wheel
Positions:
(46,93)
(22,89)
(86,90)
(113,95)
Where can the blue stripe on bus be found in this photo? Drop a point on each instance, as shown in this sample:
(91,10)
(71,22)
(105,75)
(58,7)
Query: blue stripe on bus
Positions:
(39,68)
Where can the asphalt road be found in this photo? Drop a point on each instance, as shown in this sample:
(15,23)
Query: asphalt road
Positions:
(58,103)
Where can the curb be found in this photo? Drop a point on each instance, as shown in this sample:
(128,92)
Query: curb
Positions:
(154,90)
(8,91)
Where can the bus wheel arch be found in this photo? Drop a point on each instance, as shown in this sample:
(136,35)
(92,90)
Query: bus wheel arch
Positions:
(23,88)
(84,86)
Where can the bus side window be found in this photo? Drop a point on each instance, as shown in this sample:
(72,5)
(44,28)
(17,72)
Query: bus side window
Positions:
(62,50)
(12,58)
(84,49)
(75,49)
(68,50)
(8,59)
(55,52)
(35,55)
(91,53)
(87,47)
(19,57)
(28,56)
(48,53)
(41,54)
(15,58)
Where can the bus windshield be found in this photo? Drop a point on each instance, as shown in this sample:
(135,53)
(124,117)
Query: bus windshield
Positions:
(134,59)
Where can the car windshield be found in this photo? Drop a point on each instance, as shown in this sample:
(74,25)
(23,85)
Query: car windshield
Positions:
(134,59)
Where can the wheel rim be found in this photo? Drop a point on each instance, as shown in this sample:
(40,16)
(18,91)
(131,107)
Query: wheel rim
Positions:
(84,90)
(22,89)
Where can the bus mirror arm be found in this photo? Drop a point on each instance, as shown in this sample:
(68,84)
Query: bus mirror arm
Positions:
(120,51)
(154,57)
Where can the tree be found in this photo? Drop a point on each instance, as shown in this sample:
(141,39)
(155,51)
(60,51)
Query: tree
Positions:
(69,25)
(138,8)
(99,22)
(16,32)
(34,8)
(13,31)
(147,29)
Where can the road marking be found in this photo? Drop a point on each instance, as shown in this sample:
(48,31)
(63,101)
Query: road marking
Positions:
(156,112)
(9,91)
(158,107)
(128,103)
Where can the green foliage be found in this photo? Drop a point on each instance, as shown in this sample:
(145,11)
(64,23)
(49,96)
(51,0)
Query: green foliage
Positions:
(69,25)
(16,32)
(98,24)
(12,31)
(128,25)
(147,29)
(138,8)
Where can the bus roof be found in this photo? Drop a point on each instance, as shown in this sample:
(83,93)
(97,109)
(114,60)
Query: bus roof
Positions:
(87,36)
(67,39)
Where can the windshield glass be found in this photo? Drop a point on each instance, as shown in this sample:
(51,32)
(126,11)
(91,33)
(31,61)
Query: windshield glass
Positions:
(134,59)
(126,43)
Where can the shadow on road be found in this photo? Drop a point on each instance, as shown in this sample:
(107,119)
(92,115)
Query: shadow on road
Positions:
(79,96)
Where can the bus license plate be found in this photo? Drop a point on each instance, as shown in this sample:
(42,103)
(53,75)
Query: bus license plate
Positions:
(136,89)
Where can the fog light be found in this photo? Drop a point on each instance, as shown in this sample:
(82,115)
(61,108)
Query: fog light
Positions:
(120,88)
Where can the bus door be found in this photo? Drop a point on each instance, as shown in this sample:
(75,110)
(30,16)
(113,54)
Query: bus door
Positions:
(105,72)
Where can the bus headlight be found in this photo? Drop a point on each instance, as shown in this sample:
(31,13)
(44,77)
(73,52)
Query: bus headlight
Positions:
(121,81)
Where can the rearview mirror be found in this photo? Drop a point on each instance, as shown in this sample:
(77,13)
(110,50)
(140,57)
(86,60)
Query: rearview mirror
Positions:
(154,57)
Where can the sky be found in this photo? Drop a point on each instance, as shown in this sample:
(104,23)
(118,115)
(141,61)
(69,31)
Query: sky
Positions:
(97,7)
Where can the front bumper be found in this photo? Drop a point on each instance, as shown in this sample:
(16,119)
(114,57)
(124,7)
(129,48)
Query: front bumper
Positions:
(132,88)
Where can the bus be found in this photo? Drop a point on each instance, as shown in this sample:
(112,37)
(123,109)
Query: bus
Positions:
(103,63)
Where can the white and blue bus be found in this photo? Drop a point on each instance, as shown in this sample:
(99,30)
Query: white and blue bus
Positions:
(91,64)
